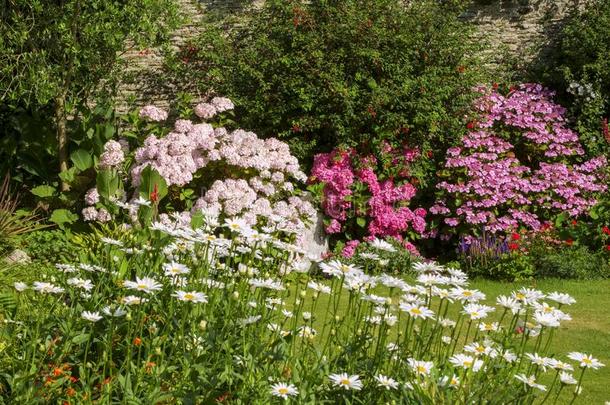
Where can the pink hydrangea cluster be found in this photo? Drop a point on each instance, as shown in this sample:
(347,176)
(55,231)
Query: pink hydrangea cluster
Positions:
(152,113)
(255,177)
(513,167)
(387,213)
(112,156)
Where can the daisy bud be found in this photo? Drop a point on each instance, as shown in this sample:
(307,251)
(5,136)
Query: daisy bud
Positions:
(128,316)
(337,318)
(315,295)
(303,293)
(388,301)
(297,302)
(235,295)
(202,325)
(359,332)
(333,332)
(158,351)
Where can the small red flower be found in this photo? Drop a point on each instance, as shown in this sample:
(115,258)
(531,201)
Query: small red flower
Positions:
(137,341)
(515,236)
(495,86)
(574,222)
(608,248)
(154,196)
(471,124)
(57,372)
(429,154)
(513,246)
(606,230)
(296,128)
(569,241)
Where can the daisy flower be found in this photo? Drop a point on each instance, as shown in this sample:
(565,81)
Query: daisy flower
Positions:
(46,288)
(192,296)
(530,381)
(416,311)
(386,382)
(462,294)
(86,285)
(133,300)
(284,390)
(174,269)
(420,367)
(382,245)
(91,316)
(567,378)
(489,327)
(146,284)
(20,286)
(476,311)
(586,360)
(561,298)
(116,313)
(466,362)
(347,382)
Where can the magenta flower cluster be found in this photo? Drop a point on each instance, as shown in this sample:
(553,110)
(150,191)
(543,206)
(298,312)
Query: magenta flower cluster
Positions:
(516,166)
(344,175)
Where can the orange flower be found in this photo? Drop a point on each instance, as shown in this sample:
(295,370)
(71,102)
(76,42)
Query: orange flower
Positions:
(57,372)
(70,392)
(137,341)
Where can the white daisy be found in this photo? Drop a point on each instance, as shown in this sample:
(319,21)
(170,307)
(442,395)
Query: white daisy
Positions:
(530,381)
(420,367)
(174,269)
(86,285)
(567,378)
(586,360)
(46,288)
(347,382)
(91,316)
(284,390)
(192,296)
(416,311)
(20,286)
(146,284)
(386,382)
(382,245)
(561,298)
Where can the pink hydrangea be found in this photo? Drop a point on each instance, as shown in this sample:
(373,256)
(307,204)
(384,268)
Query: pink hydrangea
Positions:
(152,113)
(92,197)
(112,156)
(205,111)
(491,184)
(222,104)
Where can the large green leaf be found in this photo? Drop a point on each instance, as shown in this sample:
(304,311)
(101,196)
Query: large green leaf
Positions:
(107,183)
(63,216)
(81,159)
(150,179)
(43,191)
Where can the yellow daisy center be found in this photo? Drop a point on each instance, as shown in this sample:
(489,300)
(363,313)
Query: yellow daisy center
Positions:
(189,296)
(283,390)
(416,311)
(345,381)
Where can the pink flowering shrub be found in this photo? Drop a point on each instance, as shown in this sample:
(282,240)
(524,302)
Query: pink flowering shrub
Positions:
(517,166)
(211,169)
(360,201)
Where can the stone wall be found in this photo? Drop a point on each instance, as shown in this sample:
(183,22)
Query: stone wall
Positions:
(517,30)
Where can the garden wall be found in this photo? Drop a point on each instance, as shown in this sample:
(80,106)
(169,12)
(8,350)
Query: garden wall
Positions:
(518,30)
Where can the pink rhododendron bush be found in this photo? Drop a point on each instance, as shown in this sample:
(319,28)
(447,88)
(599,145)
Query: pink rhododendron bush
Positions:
(204,169)
(517,167)
(360,198)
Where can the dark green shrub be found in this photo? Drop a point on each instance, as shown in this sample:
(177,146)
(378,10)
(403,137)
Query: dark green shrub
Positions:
(571,262)
(323,73)
(579,68)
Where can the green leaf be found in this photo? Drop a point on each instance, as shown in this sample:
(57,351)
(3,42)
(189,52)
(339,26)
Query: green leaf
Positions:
(107,183)
(63,216)
(150,179)
(79,339)
(43,191)
(68,175)
(81,159)
(361,222)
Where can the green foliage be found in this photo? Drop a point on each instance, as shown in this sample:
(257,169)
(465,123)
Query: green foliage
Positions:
(570,262)
(50,246)
(326,73)
(13,222)
(55,59)
(579,68)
